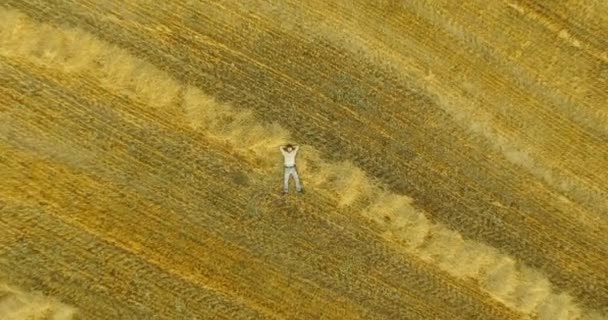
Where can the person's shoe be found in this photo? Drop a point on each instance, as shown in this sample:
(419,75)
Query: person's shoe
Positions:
(300,191)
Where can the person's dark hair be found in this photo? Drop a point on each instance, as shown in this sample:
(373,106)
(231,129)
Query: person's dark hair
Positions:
(289,146)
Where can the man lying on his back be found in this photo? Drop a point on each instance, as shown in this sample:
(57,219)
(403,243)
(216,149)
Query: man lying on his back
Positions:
(289,152)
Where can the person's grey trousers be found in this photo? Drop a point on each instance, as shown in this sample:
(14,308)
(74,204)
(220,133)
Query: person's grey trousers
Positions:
(291,171)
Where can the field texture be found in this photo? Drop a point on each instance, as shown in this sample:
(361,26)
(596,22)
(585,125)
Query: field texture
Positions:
(454,157)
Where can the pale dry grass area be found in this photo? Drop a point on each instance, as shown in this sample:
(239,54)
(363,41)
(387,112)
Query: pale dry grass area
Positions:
(482,279)
(18,305)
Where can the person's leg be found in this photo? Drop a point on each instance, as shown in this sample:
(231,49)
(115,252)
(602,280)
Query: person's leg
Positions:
(297,180)
(286,180)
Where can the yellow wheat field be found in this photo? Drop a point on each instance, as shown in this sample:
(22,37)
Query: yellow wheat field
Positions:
(453,157)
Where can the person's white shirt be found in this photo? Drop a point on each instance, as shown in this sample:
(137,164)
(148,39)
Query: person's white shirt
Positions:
(289,157)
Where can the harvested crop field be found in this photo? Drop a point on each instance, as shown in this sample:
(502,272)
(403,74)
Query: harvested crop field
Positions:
(454,158)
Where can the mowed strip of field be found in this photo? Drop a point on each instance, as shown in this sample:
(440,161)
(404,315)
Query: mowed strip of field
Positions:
(162,209)
(74,106)
(518,287)
(475,132)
